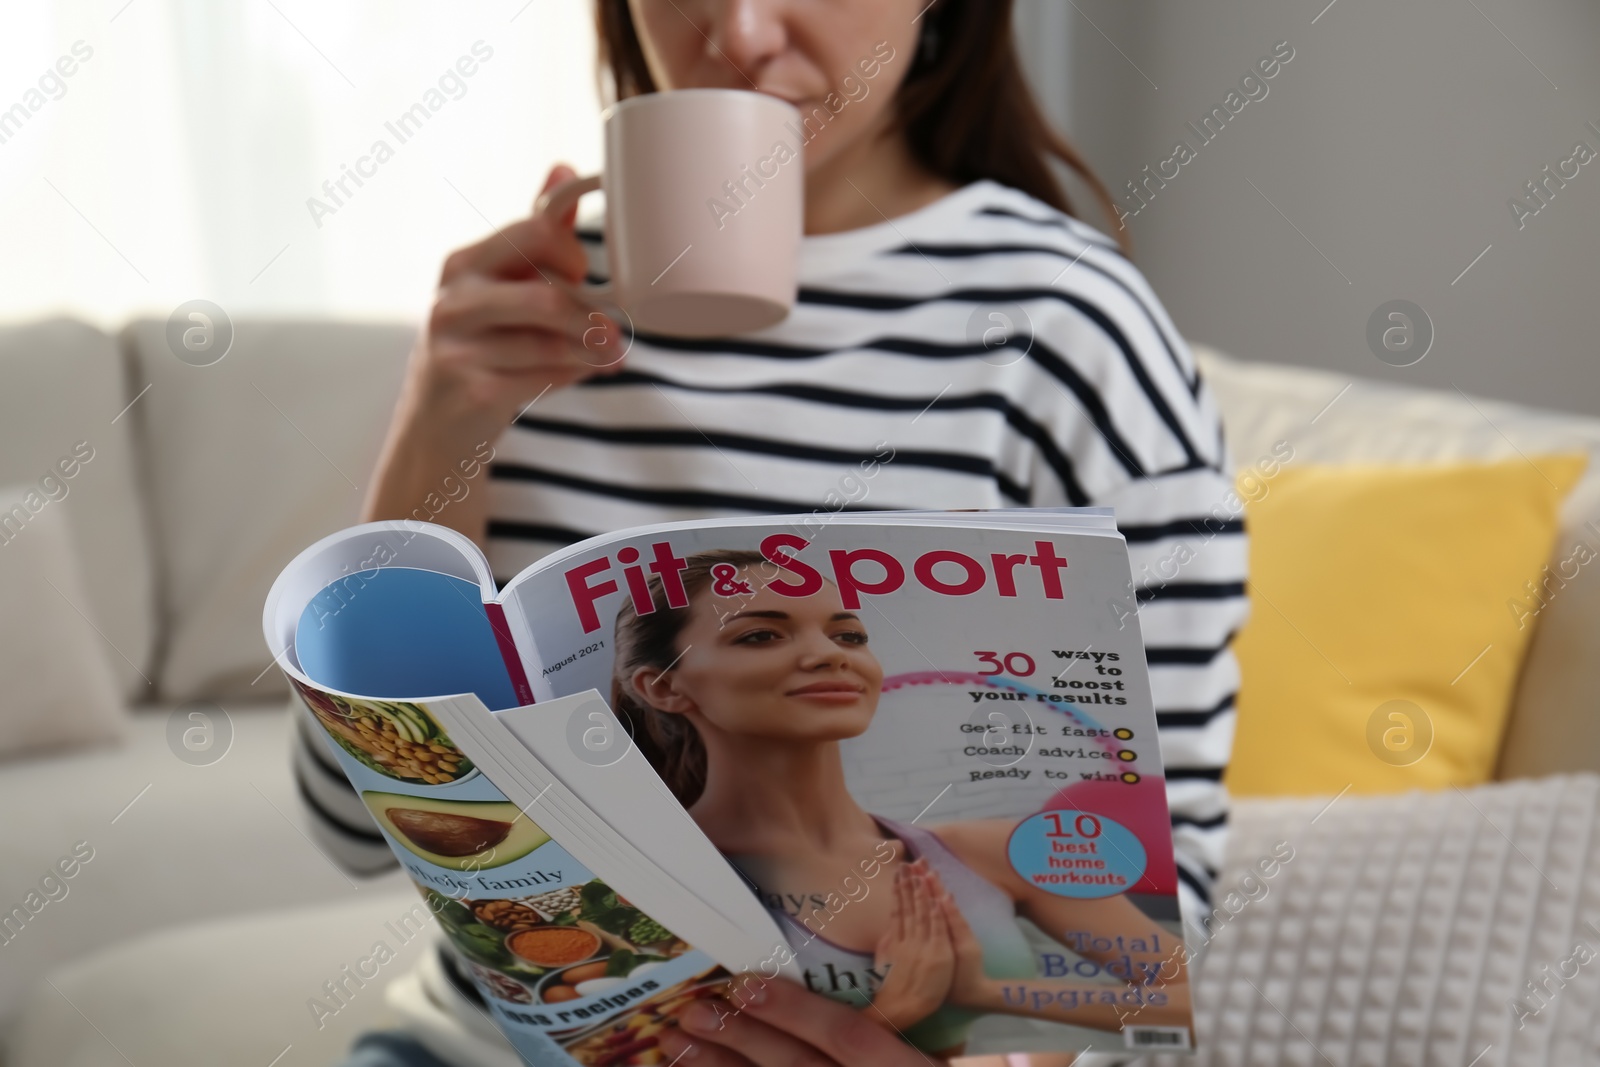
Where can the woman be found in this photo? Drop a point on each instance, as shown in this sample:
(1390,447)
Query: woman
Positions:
(741,706)
(953,315)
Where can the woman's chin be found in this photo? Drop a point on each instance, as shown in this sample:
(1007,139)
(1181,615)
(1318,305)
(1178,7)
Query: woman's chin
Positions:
(827,713)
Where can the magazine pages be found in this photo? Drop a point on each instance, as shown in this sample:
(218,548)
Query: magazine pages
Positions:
(909,761)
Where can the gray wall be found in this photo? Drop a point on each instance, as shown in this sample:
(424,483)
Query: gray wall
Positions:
(1388,147)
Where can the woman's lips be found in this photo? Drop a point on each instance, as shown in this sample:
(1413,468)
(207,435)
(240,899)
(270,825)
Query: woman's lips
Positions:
(829,692)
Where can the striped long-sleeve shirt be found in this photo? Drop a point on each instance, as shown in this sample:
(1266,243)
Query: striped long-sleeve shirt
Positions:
(1006,355)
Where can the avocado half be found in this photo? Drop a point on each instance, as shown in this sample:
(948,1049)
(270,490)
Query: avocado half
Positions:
(462,835)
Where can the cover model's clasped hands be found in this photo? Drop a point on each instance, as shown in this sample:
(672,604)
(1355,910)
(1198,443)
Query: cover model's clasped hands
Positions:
(928,953)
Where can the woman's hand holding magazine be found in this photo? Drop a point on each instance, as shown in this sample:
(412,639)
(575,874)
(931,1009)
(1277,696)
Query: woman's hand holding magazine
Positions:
(776,1023)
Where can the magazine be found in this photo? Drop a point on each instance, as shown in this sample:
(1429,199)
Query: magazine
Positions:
(907,759)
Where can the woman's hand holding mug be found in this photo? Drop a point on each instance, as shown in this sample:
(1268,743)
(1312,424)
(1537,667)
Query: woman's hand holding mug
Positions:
(704,211)
(503,329)
(502,332)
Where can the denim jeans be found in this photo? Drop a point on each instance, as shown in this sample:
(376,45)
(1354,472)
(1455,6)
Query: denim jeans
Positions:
(390,1048)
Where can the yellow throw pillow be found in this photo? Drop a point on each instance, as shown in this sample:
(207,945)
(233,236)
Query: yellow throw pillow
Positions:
(1384,637)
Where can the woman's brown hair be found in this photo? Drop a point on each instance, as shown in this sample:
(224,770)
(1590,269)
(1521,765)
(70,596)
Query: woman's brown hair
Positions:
(668,741)
(967,111)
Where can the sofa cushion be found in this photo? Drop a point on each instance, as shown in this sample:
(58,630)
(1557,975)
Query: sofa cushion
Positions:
(60,687)
(1406,930)
(1333,418)
(249,460)
(1379,654)
(236,991)
(66,388)
(169,840)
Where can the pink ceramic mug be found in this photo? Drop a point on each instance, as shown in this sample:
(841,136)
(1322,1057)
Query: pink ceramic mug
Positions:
(705,199)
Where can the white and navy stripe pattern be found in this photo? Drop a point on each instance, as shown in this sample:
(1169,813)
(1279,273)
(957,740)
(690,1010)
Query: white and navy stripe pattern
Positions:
(341,824)
(1090,398)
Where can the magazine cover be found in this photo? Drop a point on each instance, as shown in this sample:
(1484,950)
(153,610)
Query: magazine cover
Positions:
(923,745)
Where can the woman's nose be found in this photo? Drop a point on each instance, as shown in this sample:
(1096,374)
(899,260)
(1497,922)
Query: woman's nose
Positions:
(748,33)
(819,650)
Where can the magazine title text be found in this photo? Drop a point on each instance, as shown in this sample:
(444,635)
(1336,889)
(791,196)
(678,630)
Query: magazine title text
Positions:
(856,571)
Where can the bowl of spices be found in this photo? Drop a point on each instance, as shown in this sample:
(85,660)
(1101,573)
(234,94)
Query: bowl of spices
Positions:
(553,946)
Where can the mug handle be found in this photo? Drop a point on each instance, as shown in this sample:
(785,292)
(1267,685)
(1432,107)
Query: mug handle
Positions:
(556,202)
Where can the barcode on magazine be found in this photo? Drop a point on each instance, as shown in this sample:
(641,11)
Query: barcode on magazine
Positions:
(1149,1037)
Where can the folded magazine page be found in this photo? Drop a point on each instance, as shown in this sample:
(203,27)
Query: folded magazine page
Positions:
(924,740)
(572,968)
(581,958)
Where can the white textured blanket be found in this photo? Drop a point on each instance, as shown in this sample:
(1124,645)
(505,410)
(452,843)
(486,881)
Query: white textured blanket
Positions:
(1459,929)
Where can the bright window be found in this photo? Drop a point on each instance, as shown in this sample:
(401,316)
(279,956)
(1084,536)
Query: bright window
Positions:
(155,151)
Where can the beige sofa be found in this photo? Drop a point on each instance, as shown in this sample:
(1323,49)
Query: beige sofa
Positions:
(179,944)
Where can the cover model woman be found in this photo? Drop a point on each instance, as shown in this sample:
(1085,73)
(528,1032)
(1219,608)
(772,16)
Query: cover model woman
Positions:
(960,341)
(741,704)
